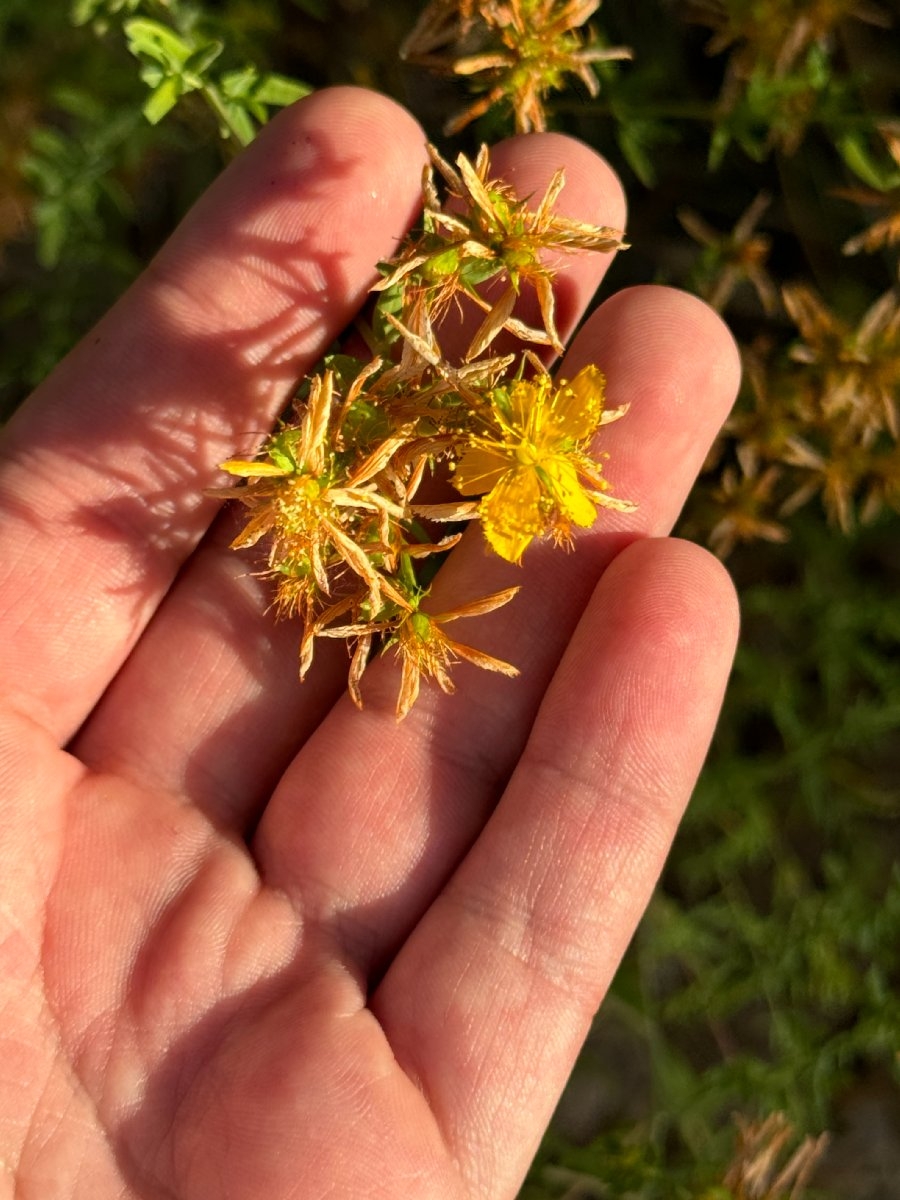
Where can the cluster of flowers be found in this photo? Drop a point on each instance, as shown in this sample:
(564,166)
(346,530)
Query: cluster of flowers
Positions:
(819,413)
(820,416)
(334,494)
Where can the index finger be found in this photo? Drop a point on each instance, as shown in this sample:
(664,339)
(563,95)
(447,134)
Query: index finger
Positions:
(101,473)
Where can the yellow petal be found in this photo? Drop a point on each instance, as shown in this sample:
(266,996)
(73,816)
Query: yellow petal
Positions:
(526,402)
(578,405)
(247,469)
(357,667)
(479,470)
(571,499)
(511,514)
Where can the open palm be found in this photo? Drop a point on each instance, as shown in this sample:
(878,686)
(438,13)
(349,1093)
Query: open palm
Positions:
(254,943)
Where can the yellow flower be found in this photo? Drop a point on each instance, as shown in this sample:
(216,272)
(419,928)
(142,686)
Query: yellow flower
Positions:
(321,528)
(533,469)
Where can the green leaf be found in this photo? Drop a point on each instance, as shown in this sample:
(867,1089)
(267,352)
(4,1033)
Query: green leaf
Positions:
(240,122)
(856,151)
(635,152)
(78,102)
(49,143)
(277,90)
(162,99)
(238,84)
(202,59)
(153,74)
(83,11)
(152,40)
(52,229)
(280,90)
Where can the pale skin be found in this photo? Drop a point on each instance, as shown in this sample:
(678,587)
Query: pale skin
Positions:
(255,944)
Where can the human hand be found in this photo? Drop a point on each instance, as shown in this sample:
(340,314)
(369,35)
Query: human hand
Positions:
(254,943)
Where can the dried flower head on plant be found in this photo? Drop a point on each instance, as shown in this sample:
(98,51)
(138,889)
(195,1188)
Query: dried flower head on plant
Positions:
(515,52)
(333,494)
(774,34)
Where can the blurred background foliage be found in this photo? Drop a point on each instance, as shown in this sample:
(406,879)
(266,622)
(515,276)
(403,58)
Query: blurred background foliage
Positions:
(759,140)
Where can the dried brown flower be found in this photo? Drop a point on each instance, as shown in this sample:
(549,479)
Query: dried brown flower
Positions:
(736,257)
(857,369)
(775,33)
(516,51)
